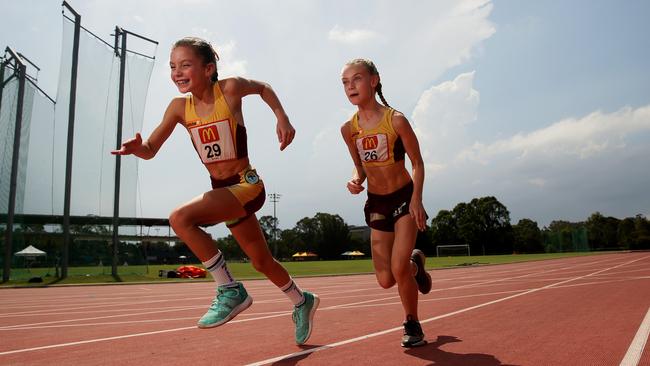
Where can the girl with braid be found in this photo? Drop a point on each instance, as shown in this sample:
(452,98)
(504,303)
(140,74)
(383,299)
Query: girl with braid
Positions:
(211,112)
(378,137)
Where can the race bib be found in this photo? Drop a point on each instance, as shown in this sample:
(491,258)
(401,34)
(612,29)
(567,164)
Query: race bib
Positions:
(214,141)
(373,148)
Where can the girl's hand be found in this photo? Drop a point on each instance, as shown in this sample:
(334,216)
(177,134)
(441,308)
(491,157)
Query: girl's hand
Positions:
(355,186)
(129,146)
(285,132)
(418,214)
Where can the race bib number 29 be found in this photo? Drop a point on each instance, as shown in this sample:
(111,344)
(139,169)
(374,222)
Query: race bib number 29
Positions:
(214,141)
(373,148)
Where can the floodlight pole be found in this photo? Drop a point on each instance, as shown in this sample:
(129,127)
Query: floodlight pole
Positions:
(2,81)
(21,70)
(275,198)
(68,157)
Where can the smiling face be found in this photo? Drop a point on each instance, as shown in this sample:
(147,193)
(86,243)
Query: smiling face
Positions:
(359,85)
(188,71)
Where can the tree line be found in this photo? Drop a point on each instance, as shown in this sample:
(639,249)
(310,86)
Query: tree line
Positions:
(483,223)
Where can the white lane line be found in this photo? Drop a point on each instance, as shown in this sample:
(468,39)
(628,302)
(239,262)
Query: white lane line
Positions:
(633,355)
(376,334)
(132,335)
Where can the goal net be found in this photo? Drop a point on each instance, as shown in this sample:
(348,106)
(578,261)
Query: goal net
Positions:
(453,250)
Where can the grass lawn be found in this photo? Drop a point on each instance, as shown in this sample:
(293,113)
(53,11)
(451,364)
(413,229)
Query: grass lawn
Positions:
(131,274)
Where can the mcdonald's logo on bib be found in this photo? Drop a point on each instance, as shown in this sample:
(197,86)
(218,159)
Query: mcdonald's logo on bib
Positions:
(370,142)
(208,134)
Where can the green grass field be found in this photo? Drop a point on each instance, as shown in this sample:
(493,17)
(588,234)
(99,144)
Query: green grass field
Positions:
(139,274)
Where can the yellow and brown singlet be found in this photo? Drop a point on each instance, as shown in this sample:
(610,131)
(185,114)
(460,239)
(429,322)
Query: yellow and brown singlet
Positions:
(378,146)
(218,138)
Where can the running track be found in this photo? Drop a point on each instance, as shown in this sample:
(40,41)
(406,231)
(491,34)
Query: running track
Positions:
(592,310)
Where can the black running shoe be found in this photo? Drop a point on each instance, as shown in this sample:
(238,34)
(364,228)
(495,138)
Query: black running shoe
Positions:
(413,336)
(422,277)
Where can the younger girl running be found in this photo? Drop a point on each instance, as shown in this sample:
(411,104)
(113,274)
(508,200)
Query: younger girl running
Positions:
(377,137)
(212,115)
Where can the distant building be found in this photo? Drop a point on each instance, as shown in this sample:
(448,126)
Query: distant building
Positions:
(360,232)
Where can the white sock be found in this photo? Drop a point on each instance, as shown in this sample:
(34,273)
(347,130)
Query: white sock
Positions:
(219,270)
(293,292)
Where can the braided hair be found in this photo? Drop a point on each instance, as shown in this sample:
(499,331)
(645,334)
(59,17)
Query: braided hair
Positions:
(372,69)
(204,50)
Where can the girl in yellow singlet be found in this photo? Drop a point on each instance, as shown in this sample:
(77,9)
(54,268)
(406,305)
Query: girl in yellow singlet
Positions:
(378,137)
(212,115)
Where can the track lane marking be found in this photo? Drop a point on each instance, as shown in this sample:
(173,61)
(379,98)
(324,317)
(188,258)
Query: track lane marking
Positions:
(633,355)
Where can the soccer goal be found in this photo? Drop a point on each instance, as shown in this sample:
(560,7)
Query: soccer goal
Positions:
(454,250)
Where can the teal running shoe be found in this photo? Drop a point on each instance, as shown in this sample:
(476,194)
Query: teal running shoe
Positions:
(230,301)
(303,317)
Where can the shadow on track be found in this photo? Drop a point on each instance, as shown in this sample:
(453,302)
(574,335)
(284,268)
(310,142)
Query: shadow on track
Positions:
(432,352)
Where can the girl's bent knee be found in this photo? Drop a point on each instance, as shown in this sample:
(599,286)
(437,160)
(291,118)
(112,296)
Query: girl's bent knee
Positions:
(385,281)
(176,219)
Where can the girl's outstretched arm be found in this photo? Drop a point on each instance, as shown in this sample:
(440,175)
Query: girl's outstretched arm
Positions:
(148,148)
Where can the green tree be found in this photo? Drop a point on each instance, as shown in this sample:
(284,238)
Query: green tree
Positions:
(444,229)
(495,229)
(230,248)
(602,231)
(291,243)
(641,233)
(335,235)
(528,237)
(308,230)
(625,233)
(325,234)
(484,224)
(269,225)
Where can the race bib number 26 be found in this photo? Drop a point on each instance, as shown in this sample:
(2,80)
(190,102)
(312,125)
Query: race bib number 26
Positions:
(373,148)
(214,141)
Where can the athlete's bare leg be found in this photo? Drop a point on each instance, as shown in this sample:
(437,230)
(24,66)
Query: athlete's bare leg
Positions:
(217,205)
(402,266)
(251,240)
(382,249)
(391,257)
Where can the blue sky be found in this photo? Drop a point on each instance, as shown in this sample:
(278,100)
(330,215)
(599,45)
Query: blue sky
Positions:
(543,104)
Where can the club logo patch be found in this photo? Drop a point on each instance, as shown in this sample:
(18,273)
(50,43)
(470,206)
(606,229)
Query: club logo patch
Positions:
(251,177)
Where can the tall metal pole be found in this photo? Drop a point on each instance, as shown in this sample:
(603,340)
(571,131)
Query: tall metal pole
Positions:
(70,141)
(7,254)
(2,80)
(275,198)
(22,73)
(118,161)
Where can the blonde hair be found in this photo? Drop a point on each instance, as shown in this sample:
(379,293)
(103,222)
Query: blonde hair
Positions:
(372,69)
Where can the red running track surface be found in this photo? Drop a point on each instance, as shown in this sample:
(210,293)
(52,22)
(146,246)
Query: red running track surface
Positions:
(592,310)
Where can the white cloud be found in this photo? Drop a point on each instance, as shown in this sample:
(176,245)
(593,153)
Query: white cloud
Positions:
(229,65)
(586,137)
(440,118)
(567,170)
(351,36)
